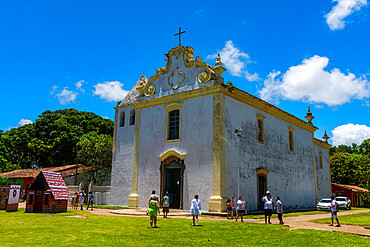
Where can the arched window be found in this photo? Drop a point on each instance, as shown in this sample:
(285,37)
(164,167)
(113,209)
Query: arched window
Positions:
(132,117)
(174,125)
(122,119)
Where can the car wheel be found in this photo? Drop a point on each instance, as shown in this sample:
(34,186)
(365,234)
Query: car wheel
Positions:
(349,207)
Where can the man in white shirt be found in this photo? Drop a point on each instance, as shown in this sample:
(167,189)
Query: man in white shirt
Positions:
(334,211)
(152,196)
(269,205)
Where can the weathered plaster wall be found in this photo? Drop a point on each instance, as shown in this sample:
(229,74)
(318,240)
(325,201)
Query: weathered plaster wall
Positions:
(323,175)
(196,143)
(190,83)
(122,164)
(291,175)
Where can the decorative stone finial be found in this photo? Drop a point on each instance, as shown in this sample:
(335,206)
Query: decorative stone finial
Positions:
(309,117)
(219,69)
(326,137)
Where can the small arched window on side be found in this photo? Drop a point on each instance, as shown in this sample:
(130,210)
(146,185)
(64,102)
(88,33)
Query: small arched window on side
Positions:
(122,119)
(132,117)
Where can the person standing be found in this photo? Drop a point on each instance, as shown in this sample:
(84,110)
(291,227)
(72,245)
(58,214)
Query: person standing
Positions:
(165,204)
(82,198)
(77,197)
(240,207)
(90,201)
(334,211)
(229,209)
(195,209)
(279,210)
(269,205)
(153,211)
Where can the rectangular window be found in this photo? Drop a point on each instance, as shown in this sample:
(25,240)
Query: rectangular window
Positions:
(46,199)
(122,119)
(321,164)
(30,198)
(291,141)
(174,125)
(260,131)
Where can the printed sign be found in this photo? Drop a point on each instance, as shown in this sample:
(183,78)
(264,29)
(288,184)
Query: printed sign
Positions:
(13,198)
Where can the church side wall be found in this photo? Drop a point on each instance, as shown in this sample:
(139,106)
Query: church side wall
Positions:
(122,164)
(196,144)
(290,174)
(323,175)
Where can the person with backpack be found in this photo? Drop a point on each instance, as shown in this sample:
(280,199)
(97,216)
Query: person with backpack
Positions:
(90,201)
(165,205)
(334,211)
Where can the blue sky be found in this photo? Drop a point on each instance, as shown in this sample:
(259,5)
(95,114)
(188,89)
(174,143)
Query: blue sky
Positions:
(87,54)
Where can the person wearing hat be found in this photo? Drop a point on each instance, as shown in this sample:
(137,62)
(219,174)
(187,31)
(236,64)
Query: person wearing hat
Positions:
(268,206)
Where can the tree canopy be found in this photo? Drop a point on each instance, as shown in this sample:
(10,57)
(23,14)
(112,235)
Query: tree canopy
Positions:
(51,140)
(351,164)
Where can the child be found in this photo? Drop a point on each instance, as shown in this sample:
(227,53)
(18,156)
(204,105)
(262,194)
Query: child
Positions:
(77,197)
(229,209)
(90,201)
(165,205)
(279,210)
(240,207)
(72,201)
(153,211)
(196,209)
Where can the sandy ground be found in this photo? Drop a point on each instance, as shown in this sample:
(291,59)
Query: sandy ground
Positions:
(294,222)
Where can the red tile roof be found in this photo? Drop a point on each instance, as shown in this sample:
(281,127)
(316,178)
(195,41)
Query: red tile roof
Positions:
(57,185)
(352,187)
(66,171)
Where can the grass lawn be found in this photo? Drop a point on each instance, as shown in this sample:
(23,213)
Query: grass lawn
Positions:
(362,219)
(21,229)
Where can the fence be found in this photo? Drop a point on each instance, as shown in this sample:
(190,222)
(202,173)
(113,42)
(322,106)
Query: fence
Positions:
(101,193)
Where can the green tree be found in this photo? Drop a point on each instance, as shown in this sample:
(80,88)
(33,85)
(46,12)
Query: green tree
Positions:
(350,169)
(95,151)
(51,140)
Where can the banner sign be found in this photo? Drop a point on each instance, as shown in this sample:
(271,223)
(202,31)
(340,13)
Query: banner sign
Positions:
(13,198)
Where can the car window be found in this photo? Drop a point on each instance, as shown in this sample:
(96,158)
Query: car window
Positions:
(341,199)
(325,201)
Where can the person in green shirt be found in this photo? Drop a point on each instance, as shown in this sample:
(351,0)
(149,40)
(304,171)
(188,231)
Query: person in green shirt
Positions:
(153,211)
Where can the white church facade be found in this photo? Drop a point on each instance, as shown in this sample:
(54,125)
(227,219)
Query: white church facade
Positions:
(184,131)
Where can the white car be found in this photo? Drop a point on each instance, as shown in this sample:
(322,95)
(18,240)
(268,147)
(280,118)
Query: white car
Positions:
(324,204)
(343,202)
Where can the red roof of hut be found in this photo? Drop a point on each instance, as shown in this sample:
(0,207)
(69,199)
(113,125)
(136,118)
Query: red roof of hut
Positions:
(53,181)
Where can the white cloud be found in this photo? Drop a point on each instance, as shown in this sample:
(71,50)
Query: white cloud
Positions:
(309,82)
(111,91)
(66,96)
(335,18)
(24,121)
(53,89)
(350,133)
(79,86)
(235,61)
(105,117)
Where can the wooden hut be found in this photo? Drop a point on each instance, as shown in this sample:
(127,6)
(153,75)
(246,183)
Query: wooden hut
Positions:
(47,194)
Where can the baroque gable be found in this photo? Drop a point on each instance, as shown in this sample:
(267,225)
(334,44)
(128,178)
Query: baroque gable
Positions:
(182,73)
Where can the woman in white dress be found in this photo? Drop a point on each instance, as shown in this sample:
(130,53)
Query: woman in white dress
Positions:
(196,209)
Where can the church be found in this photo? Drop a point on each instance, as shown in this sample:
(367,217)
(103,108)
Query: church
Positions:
(185,131)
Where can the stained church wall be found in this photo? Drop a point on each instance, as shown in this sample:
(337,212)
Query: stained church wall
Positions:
(122,163)
(291,174)
(196,144)
(323,174)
